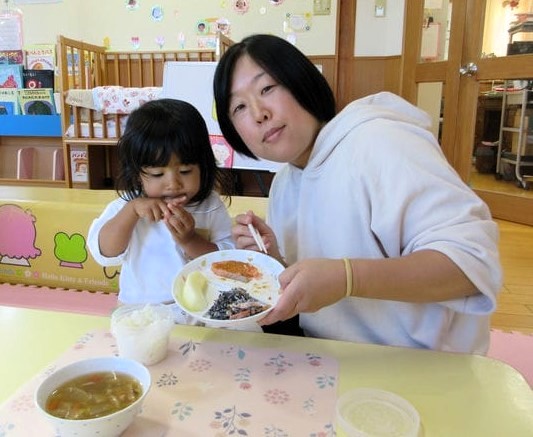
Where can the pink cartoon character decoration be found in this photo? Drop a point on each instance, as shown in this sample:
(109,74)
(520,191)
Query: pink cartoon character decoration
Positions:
(17,236)
(241,6)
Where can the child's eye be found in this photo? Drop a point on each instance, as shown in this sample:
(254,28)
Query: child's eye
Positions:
(152,173)
(185,171)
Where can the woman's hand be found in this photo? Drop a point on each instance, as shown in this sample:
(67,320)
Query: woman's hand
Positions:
(308,286)
(312,284)
(244,239)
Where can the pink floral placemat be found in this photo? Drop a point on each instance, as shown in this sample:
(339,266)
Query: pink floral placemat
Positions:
(208,389)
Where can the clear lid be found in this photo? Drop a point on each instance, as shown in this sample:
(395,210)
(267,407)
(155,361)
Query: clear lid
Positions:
(368,412)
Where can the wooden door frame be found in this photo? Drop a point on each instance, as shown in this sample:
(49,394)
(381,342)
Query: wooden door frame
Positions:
(468,92)
(446,72)
(345,50)
(461,92)
(503,206)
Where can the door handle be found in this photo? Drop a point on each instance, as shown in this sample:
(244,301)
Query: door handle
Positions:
(469,69)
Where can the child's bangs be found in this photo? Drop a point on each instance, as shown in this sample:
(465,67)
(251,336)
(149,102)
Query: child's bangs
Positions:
(156,147)
(153,153)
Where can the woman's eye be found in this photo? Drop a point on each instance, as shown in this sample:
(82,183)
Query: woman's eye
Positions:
(185,171)
(237,108)
(266,89)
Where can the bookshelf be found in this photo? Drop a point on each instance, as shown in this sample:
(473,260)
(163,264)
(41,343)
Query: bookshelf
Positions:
(31,151)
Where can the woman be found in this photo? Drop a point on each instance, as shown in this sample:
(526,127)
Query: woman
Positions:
(383,241)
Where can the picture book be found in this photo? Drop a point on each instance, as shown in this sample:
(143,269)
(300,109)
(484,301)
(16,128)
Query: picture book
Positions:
(40,57)
(38,101)
(11,76)
(79,165)
(9,104)
(38,78)
(11,57)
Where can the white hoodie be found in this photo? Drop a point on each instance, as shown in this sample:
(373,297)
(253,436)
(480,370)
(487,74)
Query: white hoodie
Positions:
(377,185)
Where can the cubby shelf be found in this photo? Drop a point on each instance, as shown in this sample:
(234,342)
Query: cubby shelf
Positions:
(31,150)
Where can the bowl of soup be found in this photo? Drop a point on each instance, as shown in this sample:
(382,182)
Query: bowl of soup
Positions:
(96,396)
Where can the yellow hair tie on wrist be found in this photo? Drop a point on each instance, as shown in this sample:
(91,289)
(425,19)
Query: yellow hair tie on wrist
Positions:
(349,276)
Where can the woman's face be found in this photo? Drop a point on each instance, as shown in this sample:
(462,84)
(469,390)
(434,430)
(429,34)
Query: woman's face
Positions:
(268,118)
(173,181)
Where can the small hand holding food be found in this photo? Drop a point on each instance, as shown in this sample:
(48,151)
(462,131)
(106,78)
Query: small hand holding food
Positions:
(149,208)
(180,222)
(193,294)
(308,286)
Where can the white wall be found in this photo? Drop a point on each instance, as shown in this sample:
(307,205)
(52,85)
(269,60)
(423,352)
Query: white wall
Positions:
(43,22)
(95,19)
(381,36)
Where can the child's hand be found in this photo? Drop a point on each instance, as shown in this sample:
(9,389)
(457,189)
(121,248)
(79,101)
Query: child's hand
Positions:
(180,223)
(149,208)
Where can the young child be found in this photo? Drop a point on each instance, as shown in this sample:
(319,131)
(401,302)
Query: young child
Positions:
(168,211)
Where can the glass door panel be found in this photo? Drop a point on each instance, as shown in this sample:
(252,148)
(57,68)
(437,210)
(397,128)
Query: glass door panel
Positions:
(508,30)
(470,71)
(430,99)
(436,31)
(504,135)
(505,79)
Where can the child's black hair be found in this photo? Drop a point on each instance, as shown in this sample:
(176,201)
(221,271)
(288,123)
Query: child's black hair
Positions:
(157,130)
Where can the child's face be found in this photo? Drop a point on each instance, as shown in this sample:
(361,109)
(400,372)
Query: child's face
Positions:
(173,181)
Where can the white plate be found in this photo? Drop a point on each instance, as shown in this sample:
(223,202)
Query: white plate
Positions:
(265,289)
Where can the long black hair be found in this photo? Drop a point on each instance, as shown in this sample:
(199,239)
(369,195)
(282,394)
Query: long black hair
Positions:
(157,130)
(287,65)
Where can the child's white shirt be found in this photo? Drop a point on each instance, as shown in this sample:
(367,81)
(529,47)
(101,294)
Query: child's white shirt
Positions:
(152,259)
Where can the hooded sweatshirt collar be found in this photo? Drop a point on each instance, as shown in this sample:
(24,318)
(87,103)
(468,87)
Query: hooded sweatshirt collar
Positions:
(384,105)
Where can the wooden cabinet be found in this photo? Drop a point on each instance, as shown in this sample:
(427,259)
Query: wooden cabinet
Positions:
(31,151)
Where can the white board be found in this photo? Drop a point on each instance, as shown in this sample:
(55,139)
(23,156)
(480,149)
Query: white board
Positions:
(193,83)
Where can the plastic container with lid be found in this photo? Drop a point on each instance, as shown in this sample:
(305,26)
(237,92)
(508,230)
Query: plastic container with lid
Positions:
(142,331)
(369,412)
